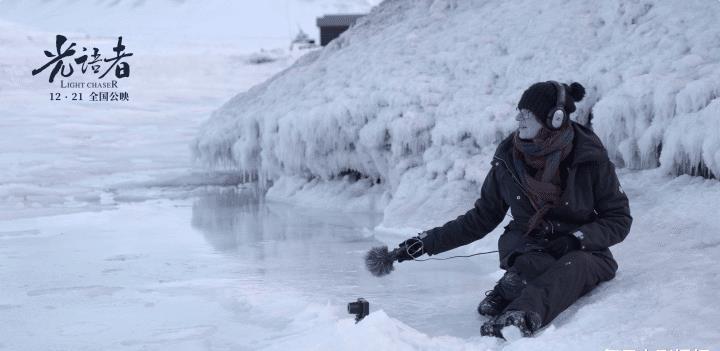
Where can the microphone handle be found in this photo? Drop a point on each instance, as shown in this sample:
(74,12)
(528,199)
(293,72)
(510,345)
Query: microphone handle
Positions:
(395,253)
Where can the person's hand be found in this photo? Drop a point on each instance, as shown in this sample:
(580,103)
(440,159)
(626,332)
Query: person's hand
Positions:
(410,249)
(562,245)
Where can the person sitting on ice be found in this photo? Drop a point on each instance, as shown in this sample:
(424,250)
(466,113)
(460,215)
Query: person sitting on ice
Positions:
(567,207)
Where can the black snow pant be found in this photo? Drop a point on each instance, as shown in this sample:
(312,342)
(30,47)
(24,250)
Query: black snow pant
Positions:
(540,283)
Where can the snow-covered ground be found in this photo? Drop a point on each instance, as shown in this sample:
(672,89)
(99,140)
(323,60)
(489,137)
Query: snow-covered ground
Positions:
(111,239)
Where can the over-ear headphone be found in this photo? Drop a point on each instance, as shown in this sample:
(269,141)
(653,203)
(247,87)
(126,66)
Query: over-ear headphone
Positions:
(557,116)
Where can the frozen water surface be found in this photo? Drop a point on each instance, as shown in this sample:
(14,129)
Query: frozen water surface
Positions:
(223,270)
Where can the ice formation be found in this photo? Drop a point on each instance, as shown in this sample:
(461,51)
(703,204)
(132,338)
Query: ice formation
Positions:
(414,98)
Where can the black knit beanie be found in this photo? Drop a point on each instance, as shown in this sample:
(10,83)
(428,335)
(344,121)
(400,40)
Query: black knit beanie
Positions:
(541,97)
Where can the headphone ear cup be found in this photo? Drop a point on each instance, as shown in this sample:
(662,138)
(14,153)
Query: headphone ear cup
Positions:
(558,118)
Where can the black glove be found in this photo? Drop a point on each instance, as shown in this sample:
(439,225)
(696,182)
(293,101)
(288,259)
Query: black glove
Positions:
(562,245)
(410,249)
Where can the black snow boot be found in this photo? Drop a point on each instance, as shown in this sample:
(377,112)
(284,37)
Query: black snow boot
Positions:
(493,303)
(490,328)
(512,325)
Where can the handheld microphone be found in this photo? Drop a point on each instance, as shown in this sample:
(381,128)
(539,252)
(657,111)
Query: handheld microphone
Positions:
(379,261)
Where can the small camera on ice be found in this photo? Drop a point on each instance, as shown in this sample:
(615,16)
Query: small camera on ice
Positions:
(359,308)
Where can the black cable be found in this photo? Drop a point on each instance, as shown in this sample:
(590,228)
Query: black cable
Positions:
(415,248)
(459,256)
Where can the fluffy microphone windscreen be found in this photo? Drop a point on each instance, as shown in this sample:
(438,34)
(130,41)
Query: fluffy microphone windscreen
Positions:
(379,261)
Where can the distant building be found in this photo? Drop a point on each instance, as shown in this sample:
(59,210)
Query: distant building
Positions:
(331,26)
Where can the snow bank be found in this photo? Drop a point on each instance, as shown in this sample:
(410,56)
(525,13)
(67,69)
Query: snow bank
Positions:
(415,97)
(377,331)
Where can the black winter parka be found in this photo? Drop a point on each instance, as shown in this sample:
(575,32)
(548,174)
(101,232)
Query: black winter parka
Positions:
(593,207)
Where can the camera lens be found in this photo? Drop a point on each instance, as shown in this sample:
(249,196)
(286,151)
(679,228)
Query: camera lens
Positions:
(354,308)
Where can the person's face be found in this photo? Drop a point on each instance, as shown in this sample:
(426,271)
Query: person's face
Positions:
(528,126)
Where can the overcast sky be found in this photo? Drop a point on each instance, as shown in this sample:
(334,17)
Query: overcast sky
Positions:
(251,24)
